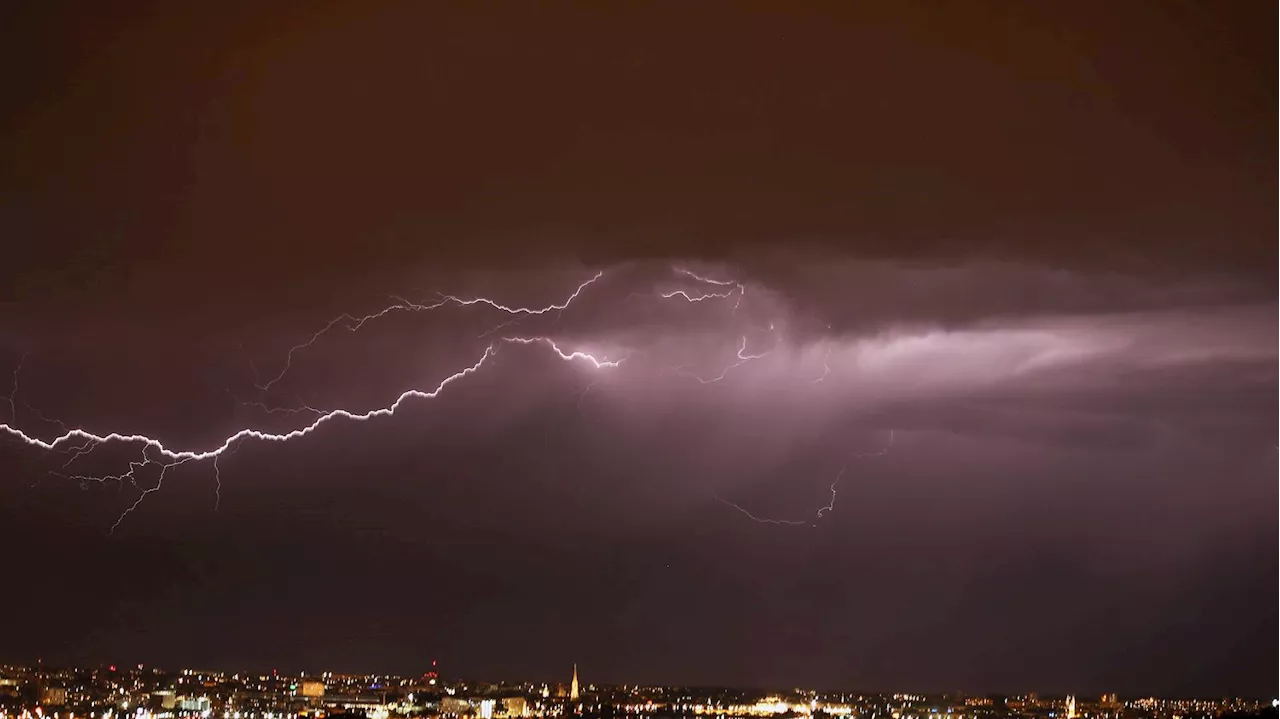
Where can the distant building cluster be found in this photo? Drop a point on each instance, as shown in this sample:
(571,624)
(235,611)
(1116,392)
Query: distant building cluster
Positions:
(145,693)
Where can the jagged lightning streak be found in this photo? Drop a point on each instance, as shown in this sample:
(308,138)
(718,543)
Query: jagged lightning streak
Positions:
(826,367)
(167,458)
(159,483)
(13,394)
(80,443)
(821,511)
(738,287)
(836,482)
(763,520)
(349,322)
(704,279)
(43,417)
(696,298)
(583,394)
(566,356)
(301,408)
(217,477)
(14,398)
(353,324)
(742,359)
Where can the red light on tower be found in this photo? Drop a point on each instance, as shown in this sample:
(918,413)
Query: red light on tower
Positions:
(112,667)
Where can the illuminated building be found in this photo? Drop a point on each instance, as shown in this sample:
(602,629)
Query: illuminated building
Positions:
(167,699)
(573,685)
(455,707)
(1071,707)
(312,689)
(515,707)
(194,704)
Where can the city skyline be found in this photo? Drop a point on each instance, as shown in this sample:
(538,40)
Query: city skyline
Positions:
(353,683)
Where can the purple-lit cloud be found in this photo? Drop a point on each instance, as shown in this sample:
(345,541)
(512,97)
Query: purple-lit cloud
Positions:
(675,329)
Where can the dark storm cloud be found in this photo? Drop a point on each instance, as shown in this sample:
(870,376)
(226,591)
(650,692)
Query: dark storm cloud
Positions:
(1031,245)
(152,149)
(545,493)
(852,295)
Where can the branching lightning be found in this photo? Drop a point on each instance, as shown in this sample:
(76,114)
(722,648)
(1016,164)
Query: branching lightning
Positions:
(832,504)
(158,460)
(764,520)
(14,398)
(706,280)
(696,298)
(13,395)
(167,458)
(836,482)
(150,459)
(821,511)
(45,418)
(353,324)
(566,356)
(583,394)
(80,443)
(300,409)
(743,358)
(826,367)
(739,287)
(217,476)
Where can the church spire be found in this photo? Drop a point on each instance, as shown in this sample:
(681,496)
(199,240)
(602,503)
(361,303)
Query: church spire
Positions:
(573,686)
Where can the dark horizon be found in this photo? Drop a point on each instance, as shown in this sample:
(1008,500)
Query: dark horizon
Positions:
(931,346)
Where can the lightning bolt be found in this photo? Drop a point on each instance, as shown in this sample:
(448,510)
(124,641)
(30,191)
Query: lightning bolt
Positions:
(704,279)
(14,398)
(164,467)
(301,408)
(764,520)
(353,324)
(79,443)
(738,287)
(583,395)
(566,356)
(696,298)
(743,358)
(45,418)
(349,322)
(821,511)
(13,395)
(217,477)
(834,483)
(167,458)
(826,367)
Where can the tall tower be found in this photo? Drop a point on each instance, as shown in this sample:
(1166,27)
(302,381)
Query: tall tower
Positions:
(573,685)
(1071,707)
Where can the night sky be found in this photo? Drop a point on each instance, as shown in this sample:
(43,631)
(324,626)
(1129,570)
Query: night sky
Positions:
(1003,269)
